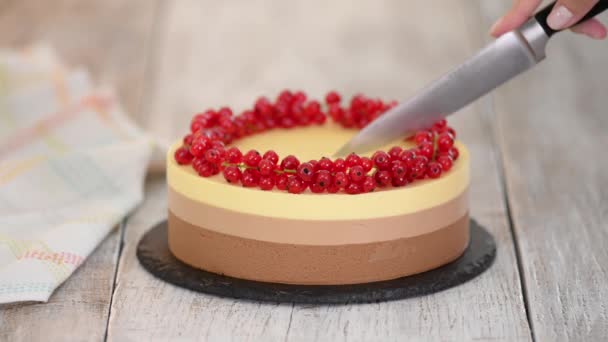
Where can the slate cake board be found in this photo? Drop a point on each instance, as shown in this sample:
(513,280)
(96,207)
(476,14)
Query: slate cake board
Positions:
(154,255)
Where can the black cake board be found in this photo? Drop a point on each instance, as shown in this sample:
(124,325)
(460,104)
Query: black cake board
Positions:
(154,255)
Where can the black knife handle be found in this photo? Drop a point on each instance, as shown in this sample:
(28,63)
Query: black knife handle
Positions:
(541,16)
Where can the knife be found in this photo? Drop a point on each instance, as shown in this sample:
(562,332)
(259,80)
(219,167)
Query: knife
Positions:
(506,57)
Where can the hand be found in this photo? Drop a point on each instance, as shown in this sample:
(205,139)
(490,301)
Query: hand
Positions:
(564,14)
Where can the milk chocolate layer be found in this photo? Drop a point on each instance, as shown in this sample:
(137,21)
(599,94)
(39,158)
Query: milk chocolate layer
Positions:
(316,232)
(315,264)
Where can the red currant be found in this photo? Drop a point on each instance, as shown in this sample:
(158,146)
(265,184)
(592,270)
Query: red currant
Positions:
(213,156)
(281,181)
(322,178)
(325,164)
(313,108)
(272,156)
(407,156)
(444,142)
(433,170)
(353,189)
(382,160)
(252,158)
(356,174)
(295,185)
(232,174)
(454,153)
(398,169)
(332,97)
(205,169)
(250,178)
(183,156)
(267,182)
(426,149)
(369,184)
(367,164)
(423,136)
(353,160)
(336,112)
(234,155)
(225,112)
(399,181)
(332,189)
(395,152)
(305,172)
(290,163)
(341,180)
(188,139)
(383,178)
(446,163)
(339,165)
(266,167)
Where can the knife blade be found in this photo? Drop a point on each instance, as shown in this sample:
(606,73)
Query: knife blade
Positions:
(508,56)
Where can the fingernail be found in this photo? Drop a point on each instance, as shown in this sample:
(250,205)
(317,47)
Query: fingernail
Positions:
(493,28)
(559,17)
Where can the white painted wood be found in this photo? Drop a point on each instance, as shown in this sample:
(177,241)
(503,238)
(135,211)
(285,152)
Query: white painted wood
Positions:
(213,53)
(552,125)
(78,310)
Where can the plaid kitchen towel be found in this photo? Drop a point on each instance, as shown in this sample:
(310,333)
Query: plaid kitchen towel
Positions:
(72,165)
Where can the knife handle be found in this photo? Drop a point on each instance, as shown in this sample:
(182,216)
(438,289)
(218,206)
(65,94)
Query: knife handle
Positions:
(541,17)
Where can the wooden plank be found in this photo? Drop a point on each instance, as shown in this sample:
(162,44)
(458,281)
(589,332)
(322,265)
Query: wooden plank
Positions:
(110,37)
(78,310)
(552,124)
(231,53)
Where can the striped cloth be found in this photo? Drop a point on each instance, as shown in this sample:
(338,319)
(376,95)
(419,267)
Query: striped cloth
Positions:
(72,166)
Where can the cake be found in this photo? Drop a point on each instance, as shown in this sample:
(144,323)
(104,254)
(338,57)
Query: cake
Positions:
(315,238)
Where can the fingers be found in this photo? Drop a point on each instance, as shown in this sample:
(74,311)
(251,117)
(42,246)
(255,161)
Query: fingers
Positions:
(566,13)
(519,13)
(592,28)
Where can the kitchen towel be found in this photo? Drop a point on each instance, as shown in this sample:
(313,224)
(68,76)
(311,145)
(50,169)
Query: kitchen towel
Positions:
(72,166)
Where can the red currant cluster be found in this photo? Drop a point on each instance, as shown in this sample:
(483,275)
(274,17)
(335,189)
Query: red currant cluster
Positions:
(205,148)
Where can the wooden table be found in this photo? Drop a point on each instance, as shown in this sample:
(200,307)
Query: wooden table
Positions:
(538,156)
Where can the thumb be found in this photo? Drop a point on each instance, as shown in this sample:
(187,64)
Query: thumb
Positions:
(566,13)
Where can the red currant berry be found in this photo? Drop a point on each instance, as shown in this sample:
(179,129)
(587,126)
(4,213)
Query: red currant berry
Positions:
(423,136)
(285,96)
(266,167)
(225,112)
(445,162)
(213,156)
(395,152)
(322,178)
(295,185)
(183,156)
(263,107)
(325,164)
(313,108)
(383,178)
(232,174)
(197,149)
(272,156)
(426,149)
(407,156)
(188,139)
(203,140)
(398,169)
(252,158)
(315,188)
(341,180)
(332,97)
(281,181)
(234,155)
(250,178)
(353,160)
(441,123)
(204,168)
(314,164)
(454,153)
(356,174)
(451,131)
(433,170)
(319,118)
(367,164)
(299,96)
(353,189)
(339,165)
(267,182)
(444,142)
(196,126)
(399,182)
(287,122)
(336,112)
(369,184)
(332,189)
(382,160)
(290,163)
(305,172)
